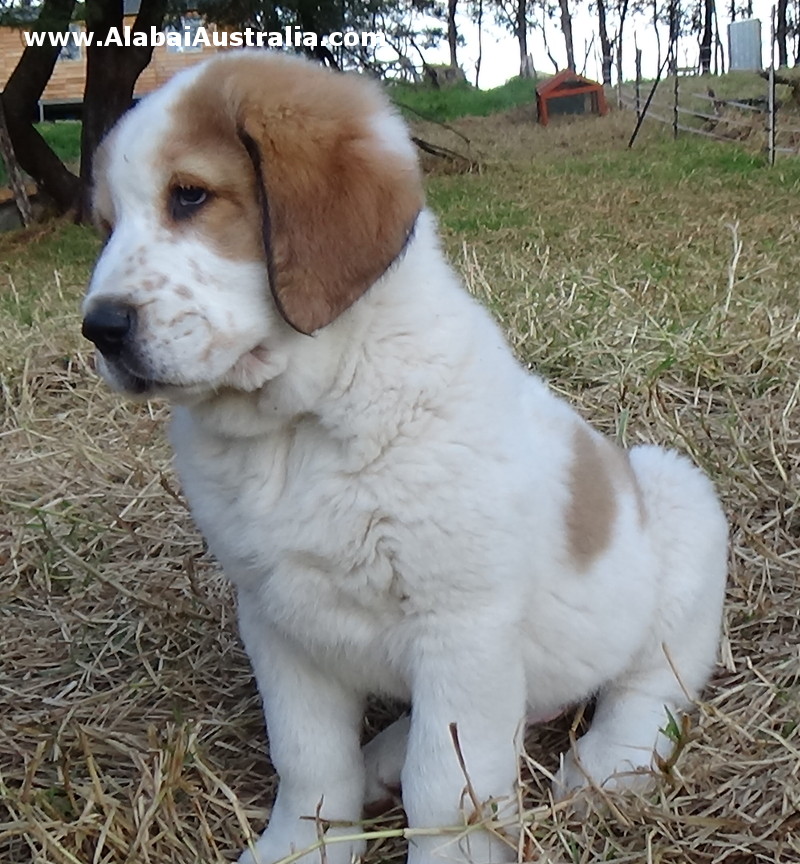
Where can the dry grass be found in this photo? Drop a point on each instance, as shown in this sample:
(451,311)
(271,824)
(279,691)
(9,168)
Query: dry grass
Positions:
(130,730)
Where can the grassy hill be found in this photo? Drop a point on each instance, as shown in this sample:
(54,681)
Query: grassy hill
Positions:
(463,100)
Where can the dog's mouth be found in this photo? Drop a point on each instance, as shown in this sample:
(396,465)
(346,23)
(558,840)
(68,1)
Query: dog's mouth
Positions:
(126,374)
(138,386)
(125,377)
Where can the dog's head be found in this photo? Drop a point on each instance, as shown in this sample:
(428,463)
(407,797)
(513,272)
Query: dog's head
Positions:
(251,197)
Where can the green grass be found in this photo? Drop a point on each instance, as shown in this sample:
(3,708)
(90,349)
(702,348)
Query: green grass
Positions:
(60,255)
(463,100)
(691,160)
(64,136)
(570,208)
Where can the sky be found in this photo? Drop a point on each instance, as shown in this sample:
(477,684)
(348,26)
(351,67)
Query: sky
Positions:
(501,52)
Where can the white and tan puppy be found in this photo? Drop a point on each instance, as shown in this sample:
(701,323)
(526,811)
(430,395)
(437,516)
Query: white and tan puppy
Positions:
(402,508)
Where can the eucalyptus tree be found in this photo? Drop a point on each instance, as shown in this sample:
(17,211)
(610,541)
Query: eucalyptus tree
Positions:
(23,90)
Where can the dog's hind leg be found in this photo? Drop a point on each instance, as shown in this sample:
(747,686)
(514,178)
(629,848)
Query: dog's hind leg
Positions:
(690,539)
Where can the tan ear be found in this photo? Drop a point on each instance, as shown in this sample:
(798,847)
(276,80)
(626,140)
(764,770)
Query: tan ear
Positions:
(338,203)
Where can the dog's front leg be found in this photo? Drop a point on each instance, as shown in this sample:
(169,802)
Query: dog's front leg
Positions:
(313,724)
(472,682)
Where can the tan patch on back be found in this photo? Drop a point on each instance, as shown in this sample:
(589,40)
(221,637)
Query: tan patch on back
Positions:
(593,505)
(600,474)
(340,205)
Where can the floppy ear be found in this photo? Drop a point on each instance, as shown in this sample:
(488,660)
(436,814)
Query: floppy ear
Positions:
(338,203)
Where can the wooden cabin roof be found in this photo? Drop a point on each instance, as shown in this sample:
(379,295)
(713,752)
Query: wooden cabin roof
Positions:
(562,78)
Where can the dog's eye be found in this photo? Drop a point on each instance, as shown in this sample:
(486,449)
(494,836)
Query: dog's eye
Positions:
(186,200)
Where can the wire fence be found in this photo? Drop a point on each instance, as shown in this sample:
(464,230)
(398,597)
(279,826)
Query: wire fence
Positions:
(761,122)
(730,120)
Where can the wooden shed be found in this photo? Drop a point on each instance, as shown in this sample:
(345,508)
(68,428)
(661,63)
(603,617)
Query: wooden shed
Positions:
(569,93)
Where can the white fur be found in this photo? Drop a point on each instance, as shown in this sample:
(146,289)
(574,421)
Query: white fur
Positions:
(388,497)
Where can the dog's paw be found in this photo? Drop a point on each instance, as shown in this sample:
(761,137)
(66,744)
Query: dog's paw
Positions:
(265,851)
(600,765)
(276,844)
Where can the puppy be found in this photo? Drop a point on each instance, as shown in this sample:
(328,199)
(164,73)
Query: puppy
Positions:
(401,507)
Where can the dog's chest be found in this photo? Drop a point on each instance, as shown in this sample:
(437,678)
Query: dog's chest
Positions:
(291,524)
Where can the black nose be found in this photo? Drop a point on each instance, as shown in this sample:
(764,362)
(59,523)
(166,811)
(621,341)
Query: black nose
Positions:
(108,325)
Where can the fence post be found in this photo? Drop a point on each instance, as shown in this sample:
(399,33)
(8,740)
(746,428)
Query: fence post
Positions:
(648,101)
(638,82)
(675,106)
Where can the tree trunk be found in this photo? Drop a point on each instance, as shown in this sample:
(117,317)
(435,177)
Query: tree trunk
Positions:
(781,32)
(480,44)
(566,29)
(623,13)
(673,37)
(587,46)
(797,35)
(719,54)
(522,38)
(605,44)
(452,32)
(15,179)
(707,37)
(20,103)
(111,74)
(657,32)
